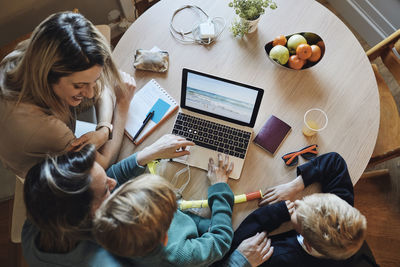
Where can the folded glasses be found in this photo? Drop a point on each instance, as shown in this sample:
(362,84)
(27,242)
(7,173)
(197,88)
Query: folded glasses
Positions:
(308,152)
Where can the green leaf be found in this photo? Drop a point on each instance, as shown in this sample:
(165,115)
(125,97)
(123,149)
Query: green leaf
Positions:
(251,9)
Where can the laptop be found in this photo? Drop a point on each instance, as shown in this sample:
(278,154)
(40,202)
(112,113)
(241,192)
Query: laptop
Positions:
(218,115)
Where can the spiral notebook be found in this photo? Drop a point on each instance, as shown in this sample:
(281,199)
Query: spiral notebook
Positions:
(151,97)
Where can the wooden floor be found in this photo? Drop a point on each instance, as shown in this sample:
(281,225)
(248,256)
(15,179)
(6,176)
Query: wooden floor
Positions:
(375,199)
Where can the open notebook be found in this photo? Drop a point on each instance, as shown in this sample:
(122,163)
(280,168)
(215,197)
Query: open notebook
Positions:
(151,97)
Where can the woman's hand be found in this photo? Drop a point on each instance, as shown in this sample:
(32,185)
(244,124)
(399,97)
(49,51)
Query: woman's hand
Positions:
(168,146)
(257,249)
(220,173)
(125,95)
(281,192)
(97,138)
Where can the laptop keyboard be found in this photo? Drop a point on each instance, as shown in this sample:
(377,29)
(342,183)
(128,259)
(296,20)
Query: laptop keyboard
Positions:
(212,135)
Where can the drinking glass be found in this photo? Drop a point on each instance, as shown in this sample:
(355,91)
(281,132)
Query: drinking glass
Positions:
(315,120)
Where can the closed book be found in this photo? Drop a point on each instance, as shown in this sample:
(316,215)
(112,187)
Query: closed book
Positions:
(272,134)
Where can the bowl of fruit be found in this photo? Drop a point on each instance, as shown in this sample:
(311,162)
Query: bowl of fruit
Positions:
(296,51)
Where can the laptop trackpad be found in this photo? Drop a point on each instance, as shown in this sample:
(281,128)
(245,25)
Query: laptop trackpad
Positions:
(199,158)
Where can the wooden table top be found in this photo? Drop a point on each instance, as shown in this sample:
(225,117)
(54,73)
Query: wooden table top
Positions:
(342,84)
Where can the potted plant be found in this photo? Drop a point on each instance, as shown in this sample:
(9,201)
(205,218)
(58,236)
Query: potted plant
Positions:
(249,12)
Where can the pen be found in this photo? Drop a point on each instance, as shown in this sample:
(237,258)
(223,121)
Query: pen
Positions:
(146,120)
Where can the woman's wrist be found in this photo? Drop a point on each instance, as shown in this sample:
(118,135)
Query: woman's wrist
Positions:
(145,156)
(104,133)
(122,106)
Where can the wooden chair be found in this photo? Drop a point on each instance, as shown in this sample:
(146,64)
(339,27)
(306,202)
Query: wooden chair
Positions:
(142,5)
(388,142)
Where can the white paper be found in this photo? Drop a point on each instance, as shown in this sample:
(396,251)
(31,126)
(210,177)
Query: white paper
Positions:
(141,104)
(83,127)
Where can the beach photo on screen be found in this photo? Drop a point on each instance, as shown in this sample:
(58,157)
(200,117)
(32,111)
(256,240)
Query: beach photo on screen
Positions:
(219,97)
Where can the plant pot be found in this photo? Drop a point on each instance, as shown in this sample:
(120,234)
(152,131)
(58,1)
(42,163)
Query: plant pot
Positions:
(252,24)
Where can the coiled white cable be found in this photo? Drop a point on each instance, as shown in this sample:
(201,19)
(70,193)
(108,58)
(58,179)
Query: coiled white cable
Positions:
(192,36)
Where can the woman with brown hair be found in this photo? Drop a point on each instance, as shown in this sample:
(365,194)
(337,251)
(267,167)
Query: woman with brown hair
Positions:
(62,194)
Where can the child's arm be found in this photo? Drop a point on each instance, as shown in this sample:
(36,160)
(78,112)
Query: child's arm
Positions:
(266,218)
(168,146)
(211,246)
(281,192)
(252,251)
(125,169)
(330,170)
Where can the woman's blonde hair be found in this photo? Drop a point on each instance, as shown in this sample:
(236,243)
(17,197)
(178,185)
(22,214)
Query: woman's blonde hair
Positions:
(331,226)
(62,44)
(136,217)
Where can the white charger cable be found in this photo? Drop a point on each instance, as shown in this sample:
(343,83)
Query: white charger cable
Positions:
(204,33)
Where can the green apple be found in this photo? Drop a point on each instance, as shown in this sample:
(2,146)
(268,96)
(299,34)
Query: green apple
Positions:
(280,54)
(294,41)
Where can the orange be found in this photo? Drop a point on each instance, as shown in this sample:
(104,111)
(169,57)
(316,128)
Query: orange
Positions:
(321,45)
(295,62)
(316,53)
(279,40)
(303,51)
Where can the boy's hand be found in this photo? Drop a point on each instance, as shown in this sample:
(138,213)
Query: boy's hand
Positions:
(220,173)
(290,206)
(257,249)
(281,192)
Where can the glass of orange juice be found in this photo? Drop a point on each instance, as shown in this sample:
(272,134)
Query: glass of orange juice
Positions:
(315,120)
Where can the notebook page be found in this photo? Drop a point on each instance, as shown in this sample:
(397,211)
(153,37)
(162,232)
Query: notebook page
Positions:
(150,97)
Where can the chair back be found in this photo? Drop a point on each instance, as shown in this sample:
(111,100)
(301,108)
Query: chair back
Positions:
(19,211)
(388,141)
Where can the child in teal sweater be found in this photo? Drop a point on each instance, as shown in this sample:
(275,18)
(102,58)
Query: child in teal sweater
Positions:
(140,221)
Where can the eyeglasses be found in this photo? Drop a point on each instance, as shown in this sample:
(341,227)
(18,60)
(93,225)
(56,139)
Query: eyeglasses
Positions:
(308,152)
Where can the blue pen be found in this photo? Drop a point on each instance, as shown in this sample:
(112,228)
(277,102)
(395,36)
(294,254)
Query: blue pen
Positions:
(146,120)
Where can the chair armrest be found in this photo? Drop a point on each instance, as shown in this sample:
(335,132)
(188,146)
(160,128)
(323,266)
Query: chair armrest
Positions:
(386,44)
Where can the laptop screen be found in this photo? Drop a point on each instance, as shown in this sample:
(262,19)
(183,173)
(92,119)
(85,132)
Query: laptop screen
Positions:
(220,98)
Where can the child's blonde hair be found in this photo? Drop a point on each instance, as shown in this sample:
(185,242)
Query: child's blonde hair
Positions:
(135,219)
(330,225)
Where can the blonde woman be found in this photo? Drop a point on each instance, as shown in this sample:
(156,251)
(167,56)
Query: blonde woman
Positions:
(65,63)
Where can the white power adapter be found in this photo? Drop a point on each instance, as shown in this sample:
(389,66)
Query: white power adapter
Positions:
(207,30)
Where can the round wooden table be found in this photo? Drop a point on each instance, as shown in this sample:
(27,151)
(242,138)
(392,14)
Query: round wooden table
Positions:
(342,84)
